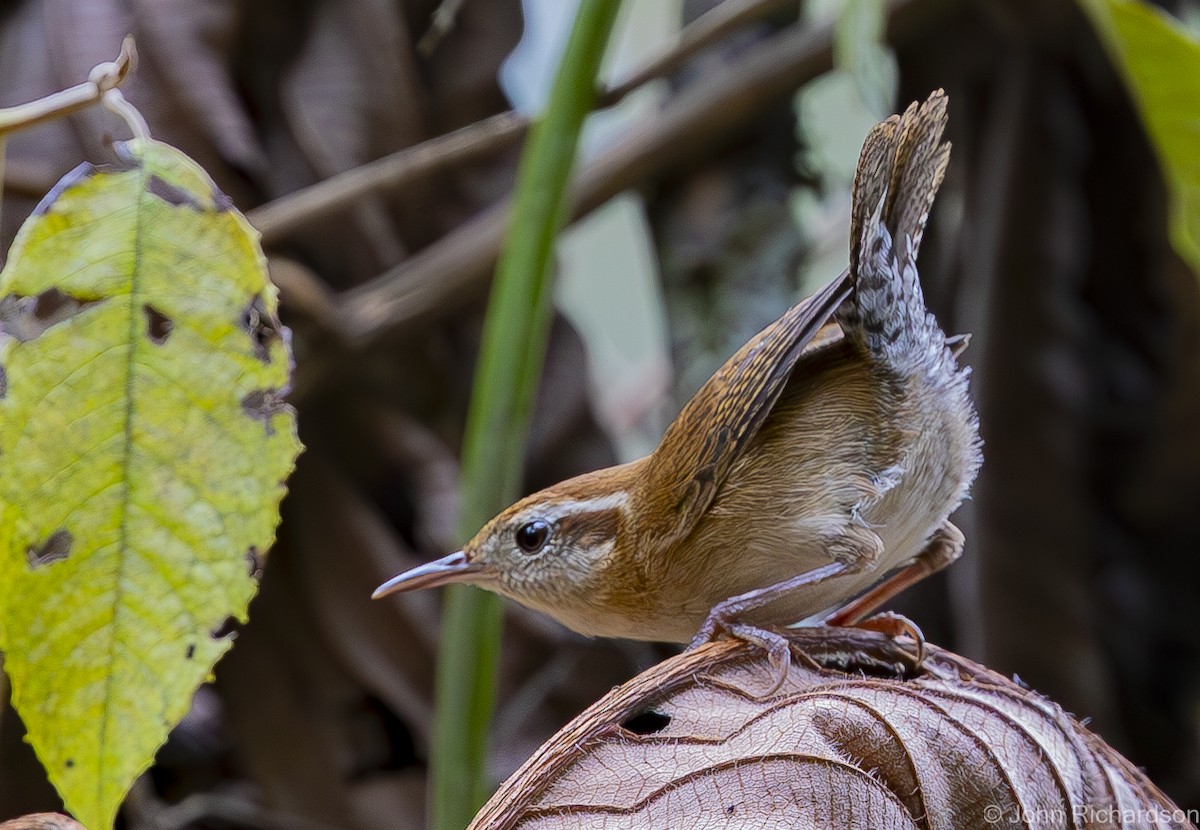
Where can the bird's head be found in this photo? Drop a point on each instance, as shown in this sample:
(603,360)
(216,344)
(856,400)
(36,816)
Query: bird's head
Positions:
(549,551)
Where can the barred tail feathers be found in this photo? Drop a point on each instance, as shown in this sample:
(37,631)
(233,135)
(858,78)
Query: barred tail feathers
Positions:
(902,164)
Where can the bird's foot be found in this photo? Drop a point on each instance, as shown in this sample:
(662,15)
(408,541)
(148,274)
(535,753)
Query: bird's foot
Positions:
(896,626)
(777,647)
(726,616)
(780,650)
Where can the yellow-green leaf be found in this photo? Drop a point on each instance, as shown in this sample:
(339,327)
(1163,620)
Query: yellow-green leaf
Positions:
(143,450)
(1161,63)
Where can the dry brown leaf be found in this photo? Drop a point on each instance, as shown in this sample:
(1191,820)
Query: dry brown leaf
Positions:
(855,738)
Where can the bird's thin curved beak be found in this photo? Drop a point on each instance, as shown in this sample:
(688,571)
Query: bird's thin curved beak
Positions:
(452,568)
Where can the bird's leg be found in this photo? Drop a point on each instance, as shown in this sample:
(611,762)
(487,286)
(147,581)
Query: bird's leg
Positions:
(943,547)
(726,613)
(853,552)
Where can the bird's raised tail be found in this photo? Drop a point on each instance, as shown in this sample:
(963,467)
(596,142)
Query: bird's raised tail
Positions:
(902,163)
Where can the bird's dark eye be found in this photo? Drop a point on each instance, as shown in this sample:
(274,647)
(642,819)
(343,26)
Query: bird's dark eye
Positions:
(532,535)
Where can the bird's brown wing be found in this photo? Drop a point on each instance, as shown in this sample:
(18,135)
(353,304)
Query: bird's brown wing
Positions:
(705,440)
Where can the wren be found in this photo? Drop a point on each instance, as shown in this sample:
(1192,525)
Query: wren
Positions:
(811,477)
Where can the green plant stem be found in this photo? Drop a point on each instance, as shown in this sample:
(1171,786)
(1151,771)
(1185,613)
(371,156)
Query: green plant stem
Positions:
(510,361)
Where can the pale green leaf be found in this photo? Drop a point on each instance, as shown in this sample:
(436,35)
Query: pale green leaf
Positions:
(1161,63)
(143,450)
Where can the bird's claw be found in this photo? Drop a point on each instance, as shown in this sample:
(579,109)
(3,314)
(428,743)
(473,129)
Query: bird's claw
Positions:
(777,647)
(895,626)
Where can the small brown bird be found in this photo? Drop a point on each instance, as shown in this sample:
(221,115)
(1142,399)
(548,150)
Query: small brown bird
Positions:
(800,475)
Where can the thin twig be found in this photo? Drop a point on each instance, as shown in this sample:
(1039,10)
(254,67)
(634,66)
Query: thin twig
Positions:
(114,101)
(698,35)
(288,214)
(704,115)
(306,293)
(103,78)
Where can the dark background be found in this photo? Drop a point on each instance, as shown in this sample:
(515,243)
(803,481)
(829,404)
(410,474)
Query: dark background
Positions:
(1048,244)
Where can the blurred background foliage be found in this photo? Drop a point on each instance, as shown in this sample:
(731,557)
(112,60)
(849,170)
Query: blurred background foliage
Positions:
(714,197)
